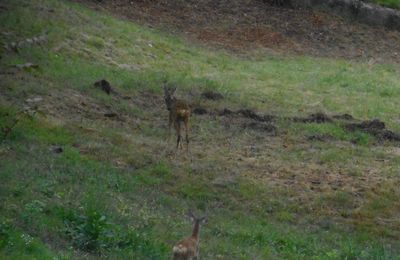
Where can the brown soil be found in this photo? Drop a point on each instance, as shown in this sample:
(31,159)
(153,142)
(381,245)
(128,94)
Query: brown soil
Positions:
(247,113)
(244,25)
(314,118)
(212,95)
(376,128)
(264,123)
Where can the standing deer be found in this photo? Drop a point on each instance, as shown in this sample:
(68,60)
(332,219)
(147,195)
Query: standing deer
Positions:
(188,248)
(179,111)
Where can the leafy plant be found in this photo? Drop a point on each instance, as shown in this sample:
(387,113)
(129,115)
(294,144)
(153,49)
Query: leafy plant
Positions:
(4,234)
(93,232)
(90,231)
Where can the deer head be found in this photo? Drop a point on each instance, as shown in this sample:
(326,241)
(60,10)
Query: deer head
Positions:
(197,222)
(193,218)
(169,95)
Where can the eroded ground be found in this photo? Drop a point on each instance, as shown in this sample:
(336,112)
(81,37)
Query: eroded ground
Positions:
(241,26)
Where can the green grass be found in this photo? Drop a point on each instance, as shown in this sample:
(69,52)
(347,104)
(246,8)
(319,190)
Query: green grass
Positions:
(332,131)
(116,192)
(389,3)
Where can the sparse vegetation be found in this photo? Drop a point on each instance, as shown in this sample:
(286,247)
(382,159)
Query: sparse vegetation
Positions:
(389,3)
(309,191)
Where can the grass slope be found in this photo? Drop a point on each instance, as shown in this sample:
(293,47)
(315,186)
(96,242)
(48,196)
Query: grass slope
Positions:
(389,3)
(115,191)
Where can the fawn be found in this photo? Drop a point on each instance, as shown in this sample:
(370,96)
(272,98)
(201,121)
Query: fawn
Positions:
(188,248)
(179,111)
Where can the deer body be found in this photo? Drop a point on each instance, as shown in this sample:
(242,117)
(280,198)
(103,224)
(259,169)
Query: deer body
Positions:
(179,112)
(188,248)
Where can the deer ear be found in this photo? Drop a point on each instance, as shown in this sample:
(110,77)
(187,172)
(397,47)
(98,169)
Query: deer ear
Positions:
(191,216)
(166,92)
(173,91)
(204,220)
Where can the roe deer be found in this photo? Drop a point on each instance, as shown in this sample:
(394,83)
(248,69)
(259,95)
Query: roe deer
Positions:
(188,248)
(179,111)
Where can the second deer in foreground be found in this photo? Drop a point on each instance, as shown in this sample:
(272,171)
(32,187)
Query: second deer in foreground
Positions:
(188,248)
(179,111)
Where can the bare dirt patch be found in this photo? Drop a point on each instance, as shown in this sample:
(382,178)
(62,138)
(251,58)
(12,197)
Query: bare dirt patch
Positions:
(263,122)
(241,26)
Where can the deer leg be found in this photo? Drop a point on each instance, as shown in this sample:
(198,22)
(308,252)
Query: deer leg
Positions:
(169,126)
(187,134)
(178,141)
(178,134)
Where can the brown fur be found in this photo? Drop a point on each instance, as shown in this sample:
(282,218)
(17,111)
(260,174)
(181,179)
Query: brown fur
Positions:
(185,249)
(179,112)
(188,248)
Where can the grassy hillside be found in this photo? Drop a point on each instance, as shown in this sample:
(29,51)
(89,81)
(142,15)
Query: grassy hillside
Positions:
(116,189)
(389,3)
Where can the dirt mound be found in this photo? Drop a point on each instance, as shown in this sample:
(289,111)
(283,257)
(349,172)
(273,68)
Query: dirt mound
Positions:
(200,111)
(262,127)
(321,137)
(314,118)
(244,25)
(373,125)
(264,123)
(212,95)
(104,85)
(247,113)
(343,117)
(376,128)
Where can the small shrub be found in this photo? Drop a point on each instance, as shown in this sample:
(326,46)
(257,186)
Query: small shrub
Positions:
(8,122)
(4,234)
(89,232)
(35,206)
(93,232)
